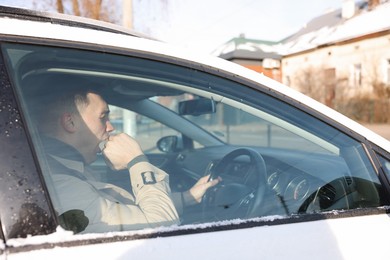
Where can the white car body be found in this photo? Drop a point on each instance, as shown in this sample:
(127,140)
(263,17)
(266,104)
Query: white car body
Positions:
(323,239)
(327,238)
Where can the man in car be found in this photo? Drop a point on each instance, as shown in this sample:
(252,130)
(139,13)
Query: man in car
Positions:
(73,121)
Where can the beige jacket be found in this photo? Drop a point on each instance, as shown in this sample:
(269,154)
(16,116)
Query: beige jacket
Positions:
(111,208)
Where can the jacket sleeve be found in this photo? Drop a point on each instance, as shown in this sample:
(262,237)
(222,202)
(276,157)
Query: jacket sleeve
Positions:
(150,186)
(152,207)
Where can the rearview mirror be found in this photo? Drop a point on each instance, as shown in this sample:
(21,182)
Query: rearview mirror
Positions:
(197,107)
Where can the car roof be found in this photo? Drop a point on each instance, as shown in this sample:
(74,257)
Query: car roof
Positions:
(27,23)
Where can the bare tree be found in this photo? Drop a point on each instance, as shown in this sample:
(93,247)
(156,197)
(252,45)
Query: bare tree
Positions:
(95,9)
(371,103)
(311,82)
(60,6)
(380,89)
(75,7)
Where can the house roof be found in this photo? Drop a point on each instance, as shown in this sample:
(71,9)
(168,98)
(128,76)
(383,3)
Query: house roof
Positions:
(330,19)
(332,28)
(244,48)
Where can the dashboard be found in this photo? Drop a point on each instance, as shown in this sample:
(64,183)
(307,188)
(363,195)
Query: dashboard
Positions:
(302,182)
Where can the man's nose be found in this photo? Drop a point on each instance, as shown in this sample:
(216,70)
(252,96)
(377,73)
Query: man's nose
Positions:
(109,127)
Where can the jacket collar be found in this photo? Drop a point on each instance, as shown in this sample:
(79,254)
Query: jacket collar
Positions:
(60,149)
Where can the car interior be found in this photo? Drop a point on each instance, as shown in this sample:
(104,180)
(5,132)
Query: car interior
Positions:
(273,158)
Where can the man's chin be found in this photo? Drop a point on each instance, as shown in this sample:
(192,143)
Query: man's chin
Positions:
(91,159)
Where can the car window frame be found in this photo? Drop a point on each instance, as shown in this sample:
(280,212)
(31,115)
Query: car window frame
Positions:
(215,72)
(21,169)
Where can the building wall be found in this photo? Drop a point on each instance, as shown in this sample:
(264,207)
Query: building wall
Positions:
(347,68)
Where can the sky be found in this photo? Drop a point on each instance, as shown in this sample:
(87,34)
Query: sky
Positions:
(204,25)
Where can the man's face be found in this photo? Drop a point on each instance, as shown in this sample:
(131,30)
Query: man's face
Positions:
(94,126)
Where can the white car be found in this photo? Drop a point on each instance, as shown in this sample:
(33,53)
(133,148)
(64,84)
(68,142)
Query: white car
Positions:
(298,179)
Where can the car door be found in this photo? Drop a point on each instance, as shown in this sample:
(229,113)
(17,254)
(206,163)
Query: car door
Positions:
(310,189)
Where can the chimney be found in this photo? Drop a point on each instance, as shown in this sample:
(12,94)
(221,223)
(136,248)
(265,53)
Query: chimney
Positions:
(348,9)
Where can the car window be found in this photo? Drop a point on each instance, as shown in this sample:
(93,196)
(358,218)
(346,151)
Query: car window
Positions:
(385,165)
(147,131)
(270,157)
(25,210)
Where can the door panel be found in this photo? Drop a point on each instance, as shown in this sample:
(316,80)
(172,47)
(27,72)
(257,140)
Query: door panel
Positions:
(322,239)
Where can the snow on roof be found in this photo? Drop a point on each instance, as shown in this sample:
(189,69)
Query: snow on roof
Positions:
(243,47)
(364,23)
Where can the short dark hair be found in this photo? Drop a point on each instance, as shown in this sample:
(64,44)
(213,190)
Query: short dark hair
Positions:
(49,96)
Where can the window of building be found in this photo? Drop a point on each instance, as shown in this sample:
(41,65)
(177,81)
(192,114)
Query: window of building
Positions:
(356,75)
(388,71)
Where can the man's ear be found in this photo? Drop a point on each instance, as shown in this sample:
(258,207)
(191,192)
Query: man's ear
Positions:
(67,122)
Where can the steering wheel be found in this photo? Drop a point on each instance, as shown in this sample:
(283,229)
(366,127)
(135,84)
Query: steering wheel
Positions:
(239,196)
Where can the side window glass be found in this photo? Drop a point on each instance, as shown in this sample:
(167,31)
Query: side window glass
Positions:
(263,156)
(25,210)
(145,130)
(385,165)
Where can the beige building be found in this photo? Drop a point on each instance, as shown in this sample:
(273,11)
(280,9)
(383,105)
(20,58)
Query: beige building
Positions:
(341,54)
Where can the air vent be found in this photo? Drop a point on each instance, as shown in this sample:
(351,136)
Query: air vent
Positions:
(326,196)
(348,180)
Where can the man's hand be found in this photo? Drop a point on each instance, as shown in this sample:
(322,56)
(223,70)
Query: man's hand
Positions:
(120,150)
(195,194)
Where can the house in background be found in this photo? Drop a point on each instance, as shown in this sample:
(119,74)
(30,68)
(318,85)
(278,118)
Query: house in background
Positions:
(338,55)
(341,54)
(257,55)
